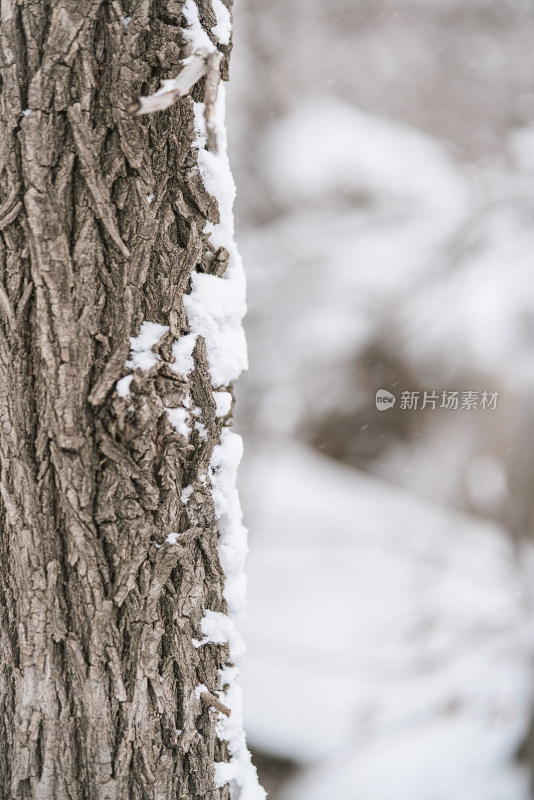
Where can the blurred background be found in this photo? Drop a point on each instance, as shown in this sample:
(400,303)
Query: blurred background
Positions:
(384,157)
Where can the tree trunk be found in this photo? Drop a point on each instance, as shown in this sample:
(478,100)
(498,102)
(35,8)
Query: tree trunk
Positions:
(107,565)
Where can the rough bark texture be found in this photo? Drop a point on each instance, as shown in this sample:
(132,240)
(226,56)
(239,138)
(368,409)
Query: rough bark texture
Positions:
(98,612)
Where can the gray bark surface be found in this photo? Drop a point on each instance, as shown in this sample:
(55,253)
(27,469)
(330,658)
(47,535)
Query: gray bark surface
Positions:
(97,612)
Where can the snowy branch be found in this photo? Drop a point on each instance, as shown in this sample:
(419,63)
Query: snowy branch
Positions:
(195,67)
(211,700)
(210,96)
(201,63)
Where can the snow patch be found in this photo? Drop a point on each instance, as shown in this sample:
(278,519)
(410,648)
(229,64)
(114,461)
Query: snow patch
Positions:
(199,689)
(232,533)
(186,494)
(435,639)
(172,538)
(223,29)
(202,432)
(141,355)
(216,306)
(215,310)
(195,33)
(219,628)
(178,418)
(182,351)
(123,386)
(240,772)
(223,403)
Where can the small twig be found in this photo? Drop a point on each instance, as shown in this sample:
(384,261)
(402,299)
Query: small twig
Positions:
(213,78)
(211,700)
(195,67)
(171,90)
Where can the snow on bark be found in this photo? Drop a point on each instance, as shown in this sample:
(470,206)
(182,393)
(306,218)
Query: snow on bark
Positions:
(223,29)
(178,418)
(216,306)
(215,309)
(182,351)
(141,355)
(195,33)
(194,67)
(223,403)
(172,89)
(219,628)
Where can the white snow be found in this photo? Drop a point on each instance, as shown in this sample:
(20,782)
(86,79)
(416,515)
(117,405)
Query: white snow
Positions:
(202,432)
(216,306)
(232,533)
(194,67)
(219,628)
(199,112)
(141,355)
(223,29)
(215,310)
(326,145)
(396,640)
(224,772)
(186,494)
(195,33)
(123,386)
(239,772)
(178,418)
(199,689)
(172,538)
(223,403)
(182,350)
(149,335)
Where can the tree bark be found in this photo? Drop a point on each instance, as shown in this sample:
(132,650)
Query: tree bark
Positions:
(99,606)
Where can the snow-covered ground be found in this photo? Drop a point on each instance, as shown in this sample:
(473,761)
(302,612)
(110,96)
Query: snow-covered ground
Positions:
(387,640)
